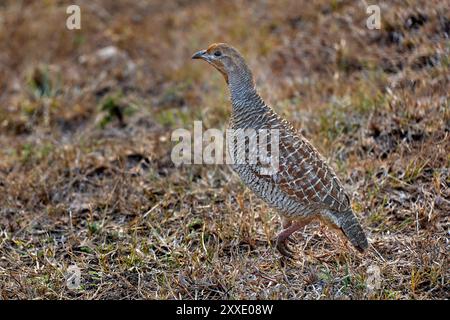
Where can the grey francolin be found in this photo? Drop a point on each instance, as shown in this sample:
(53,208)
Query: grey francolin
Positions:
(304,188)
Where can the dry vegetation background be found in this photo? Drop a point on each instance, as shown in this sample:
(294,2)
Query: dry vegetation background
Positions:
(86,177)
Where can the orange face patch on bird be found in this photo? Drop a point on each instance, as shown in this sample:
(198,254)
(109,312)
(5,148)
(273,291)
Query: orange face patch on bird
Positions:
(214,51)
(214,55)
(214,46)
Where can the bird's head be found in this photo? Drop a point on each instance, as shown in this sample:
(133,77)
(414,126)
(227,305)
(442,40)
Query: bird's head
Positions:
(226,59)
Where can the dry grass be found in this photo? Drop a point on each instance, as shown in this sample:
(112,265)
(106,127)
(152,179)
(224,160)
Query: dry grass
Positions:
(86,177)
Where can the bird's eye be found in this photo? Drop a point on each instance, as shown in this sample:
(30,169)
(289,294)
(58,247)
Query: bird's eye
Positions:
(217,53)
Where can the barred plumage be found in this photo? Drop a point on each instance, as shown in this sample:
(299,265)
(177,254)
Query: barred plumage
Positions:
(305,187)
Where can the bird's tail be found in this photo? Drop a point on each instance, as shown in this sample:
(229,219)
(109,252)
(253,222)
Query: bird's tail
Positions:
(353,230)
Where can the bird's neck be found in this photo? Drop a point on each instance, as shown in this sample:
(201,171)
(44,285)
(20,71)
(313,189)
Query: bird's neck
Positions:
(244,96)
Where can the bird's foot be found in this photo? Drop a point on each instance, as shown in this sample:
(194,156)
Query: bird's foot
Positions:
(283,248)
(285,236)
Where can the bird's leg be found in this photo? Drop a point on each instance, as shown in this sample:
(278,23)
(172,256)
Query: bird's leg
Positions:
(286,223)
(283,236)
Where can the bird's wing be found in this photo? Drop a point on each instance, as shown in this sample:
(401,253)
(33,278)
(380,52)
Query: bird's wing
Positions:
(304,174)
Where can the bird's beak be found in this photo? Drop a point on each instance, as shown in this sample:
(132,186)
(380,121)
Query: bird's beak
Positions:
(199,55)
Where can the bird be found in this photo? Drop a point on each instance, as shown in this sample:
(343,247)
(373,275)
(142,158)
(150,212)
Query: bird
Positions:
(304,188)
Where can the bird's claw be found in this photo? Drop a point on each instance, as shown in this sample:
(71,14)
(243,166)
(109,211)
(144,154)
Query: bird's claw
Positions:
(284,249)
